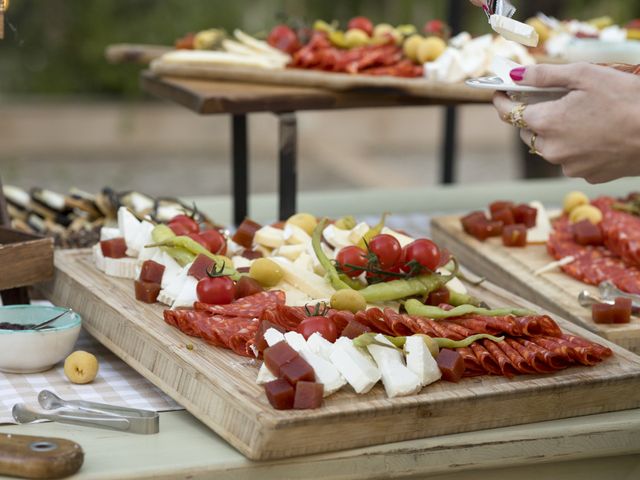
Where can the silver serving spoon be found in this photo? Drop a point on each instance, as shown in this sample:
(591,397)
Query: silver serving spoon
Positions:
(587,299)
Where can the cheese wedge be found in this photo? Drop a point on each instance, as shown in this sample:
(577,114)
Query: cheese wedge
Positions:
(540,233)
(515,31)
(305,281)
(269,237)
(114,267)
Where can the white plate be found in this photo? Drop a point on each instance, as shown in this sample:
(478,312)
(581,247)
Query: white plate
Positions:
(496,83)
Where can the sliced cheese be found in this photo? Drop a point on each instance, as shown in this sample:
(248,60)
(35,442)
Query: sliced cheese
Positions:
(188,295)
(172,288)
(240,262)
(265,375)
(293,235)
(109,233)
(515,31)
(540,233)
(326,372)
(320,346)
(337,237)
(114,267)
(129,225)
(294,296)
(292,252)
(308,282)
(453,285)
(204,58)
(269,237)
(502,66)
(420,361)
(142,238)
(357,232)
(397,379)
(355,365)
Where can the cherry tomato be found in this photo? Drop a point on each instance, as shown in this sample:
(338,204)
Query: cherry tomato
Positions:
(321,325)
(387,249)
(437,28)
(215,241)
(179,229)
(284,38)
(363,23)
(353,256)
(189,223)
(216,290)
(423,251)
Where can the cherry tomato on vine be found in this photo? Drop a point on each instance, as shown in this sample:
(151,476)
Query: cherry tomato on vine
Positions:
(198,238)
(387,249)
(352,255)
(322,325)
(284,38)
(188,224)
(424,252)
(216,290)
(215,241)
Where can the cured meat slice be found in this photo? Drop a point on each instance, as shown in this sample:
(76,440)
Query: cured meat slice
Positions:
(507,368)
(251,306)
(621,231)
(340,318)
(286,317)
(472,366)
(551,359)
(519,362)
(185,320)
(485,359)
(592,264)
(374,318)
(534,358)
(599,350)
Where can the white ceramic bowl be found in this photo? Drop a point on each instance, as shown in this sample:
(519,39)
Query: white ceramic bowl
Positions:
(29,351)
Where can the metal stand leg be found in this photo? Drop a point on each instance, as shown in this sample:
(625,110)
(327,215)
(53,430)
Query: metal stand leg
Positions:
(288,164)
(449,146)
(239,168)
(455,12)
(15,296)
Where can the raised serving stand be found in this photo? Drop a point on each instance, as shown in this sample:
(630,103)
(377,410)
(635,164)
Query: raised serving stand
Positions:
(218,387)
(514,268)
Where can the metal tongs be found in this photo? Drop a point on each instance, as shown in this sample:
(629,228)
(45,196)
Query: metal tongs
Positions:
(499,7)
(88,414)
(607,293)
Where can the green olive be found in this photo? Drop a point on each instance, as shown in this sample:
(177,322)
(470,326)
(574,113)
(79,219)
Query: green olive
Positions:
(266,272)
(350,300)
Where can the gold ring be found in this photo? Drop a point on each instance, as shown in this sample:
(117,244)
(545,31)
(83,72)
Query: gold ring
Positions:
(532,145)
(516,116)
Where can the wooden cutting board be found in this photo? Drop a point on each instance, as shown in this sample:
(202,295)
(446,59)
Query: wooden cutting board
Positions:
(218,386)
(417,87)
(513,268)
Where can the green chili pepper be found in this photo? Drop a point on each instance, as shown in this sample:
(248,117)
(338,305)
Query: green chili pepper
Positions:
(433,343)
(373,231)
(352,282)
(162,233)
(414,307)
(332,273)
(194,248)
(456,299)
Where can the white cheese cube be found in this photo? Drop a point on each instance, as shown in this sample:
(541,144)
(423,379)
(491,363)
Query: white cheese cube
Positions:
(141,239)
(397,379)
(265,375)
(540,233)
(420,361)
(273,336)
(240,262)
(172,286)
(355,365)
(453,285)
(337,237)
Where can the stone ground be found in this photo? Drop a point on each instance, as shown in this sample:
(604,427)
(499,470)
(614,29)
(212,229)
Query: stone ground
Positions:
(161,148)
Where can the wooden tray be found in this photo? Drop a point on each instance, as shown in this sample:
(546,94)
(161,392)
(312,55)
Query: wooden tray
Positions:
(219,388)
(24,259)
(513,268)
(417,87)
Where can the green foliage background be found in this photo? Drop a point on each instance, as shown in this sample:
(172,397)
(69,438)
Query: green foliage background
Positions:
(57,46)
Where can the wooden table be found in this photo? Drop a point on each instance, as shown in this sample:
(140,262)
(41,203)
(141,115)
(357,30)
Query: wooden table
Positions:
(206,97)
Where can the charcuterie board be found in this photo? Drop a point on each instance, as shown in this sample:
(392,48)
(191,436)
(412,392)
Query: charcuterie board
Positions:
(514,268)
(417,87)
(219,387)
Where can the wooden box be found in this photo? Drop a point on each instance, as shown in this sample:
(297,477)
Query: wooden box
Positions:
(24,259)
(219,387)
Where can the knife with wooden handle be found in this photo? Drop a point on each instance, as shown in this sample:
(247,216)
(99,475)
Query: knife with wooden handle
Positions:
(38,457)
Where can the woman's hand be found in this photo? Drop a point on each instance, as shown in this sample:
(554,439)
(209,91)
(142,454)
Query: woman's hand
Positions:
(593,132)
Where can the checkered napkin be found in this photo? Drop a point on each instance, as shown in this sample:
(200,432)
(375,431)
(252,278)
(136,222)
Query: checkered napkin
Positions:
(116,384)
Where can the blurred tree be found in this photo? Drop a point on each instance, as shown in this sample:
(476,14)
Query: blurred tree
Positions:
(57,46)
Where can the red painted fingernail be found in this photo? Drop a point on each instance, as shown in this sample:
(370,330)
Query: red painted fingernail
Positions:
(517,74)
